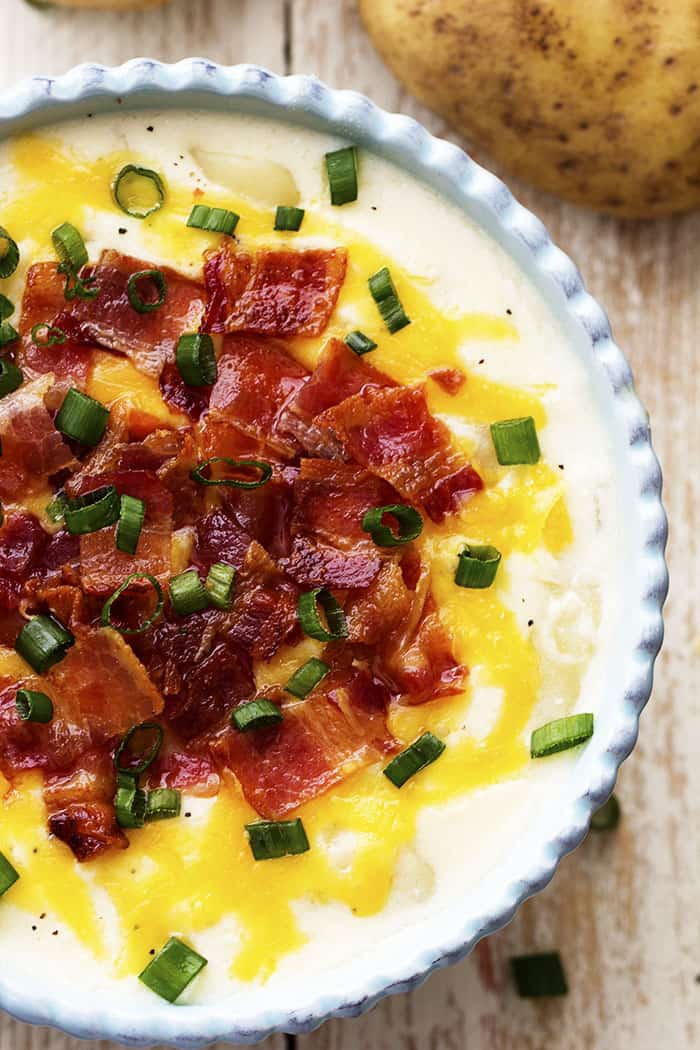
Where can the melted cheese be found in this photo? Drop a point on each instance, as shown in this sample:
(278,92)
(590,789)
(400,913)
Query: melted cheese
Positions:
(166,882)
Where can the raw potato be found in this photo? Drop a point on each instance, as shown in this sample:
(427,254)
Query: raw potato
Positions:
(595,100)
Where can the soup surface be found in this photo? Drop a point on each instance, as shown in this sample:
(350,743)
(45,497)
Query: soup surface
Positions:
(412,645)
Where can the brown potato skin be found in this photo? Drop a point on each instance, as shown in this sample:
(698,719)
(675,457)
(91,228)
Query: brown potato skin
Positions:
(597,101)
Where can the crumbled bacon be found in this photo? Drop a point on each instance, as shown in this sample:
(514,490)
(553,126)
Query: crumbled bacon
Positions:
(88,828)
(43,301)
(340,373)
(276,293)
(314,564)
(192,400)
(264,612)
(32,448)
(450,379)
(27,553)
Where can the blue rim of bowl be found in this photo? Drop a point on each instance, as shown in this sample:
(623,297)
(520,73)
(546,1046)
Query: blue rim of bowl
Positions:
(352,115)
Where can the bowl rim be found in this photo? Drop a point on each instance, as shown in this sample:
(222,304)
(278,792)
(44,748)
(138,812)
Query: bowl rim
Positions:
(434,160)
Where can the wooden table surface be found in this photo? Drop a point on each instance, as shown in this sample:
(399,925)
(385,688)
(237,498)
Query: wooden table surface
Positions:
(623,909)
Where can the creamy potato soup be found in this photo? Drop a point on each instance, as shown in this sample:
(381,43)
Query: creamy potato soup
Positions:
(308,563)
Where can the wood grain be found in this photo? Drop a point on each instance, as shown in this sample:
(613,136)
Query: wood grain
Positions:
(623,909)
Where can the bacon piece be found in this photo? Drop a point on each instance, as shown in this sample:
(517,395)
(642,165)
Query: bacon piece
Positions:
(256,380)
(27,553)
(277,293)
(391,432)
(88,828)
(219,538)
(375,614)
(339,728)
(189,771)
(147,339)
(313,564)
(42,302)
(103,567)
(199,666)
(192,400)
(264,612)
(32,448)
(451,380)
(340,373)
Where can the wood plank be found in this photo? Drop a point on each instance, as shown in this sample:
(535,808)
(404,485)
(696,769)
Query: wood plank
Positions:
(618,908)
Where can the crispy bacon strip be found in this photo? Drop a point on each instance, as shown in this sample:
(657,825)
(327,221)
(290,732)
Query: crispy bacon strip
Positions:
(276,293)
(392,433)
(264,614)
(339,373)
(28,554)
(148,339)
(32,448)
(42,302)
(81,808)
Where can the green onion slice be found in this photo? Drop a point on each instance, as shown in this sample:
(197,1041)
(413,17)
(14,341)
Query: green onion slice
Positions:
(9,254)
(157,279)
(219,585)
(196,359)
(310,618)
(129,802)
(213,220)
(341,166)
(607,817)
(172,969)
(79,288)
(264,468)
(139,191)
(271,839)
(477,566)
(132,513)
(53,336)
(387,299)
(307,677)
(187,593)
(33,706)
(288,218)
(56,509)
(82,418)
(11,377)
(421,753)
(70,248)
(515,441)
(360,343)
(43,642)
(409,521)
(93,511)
(8,875)
(139,748)
(106,617)
(7,308)
(8,334)
(539,976)
(163,804)
(256,714)
(561,734)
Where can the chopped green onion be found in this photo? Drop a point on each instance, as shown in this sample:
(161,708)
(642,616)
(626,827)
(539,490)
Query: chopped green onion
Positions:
(54,336)
(70,248)
(387,299)
(360,343)
(260,465)
(79,288)
(477,566)
(7,308)
(173,968)
(409,520)
(256,714)
(421,753)
(82,418)
(288,218)
(132,512)
(271,839)
(219,584)
(33,707)
(141,305)
(57,507)
(43,642)
(187,593)
(129,802)
(140,755)
(8,334)
(106,617)
(539,976)
(341,166)
(196,359)
(515,441)
(310,619)
(8,875)
(561,734)
(9,254)
(93,511)
(213,220)
(139,191)
(307,677)
(607,817)
(11,377)
(163,803)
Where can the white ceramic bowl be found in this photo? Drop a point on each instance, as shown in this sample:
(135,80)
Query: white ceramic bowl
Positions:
(452,933)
